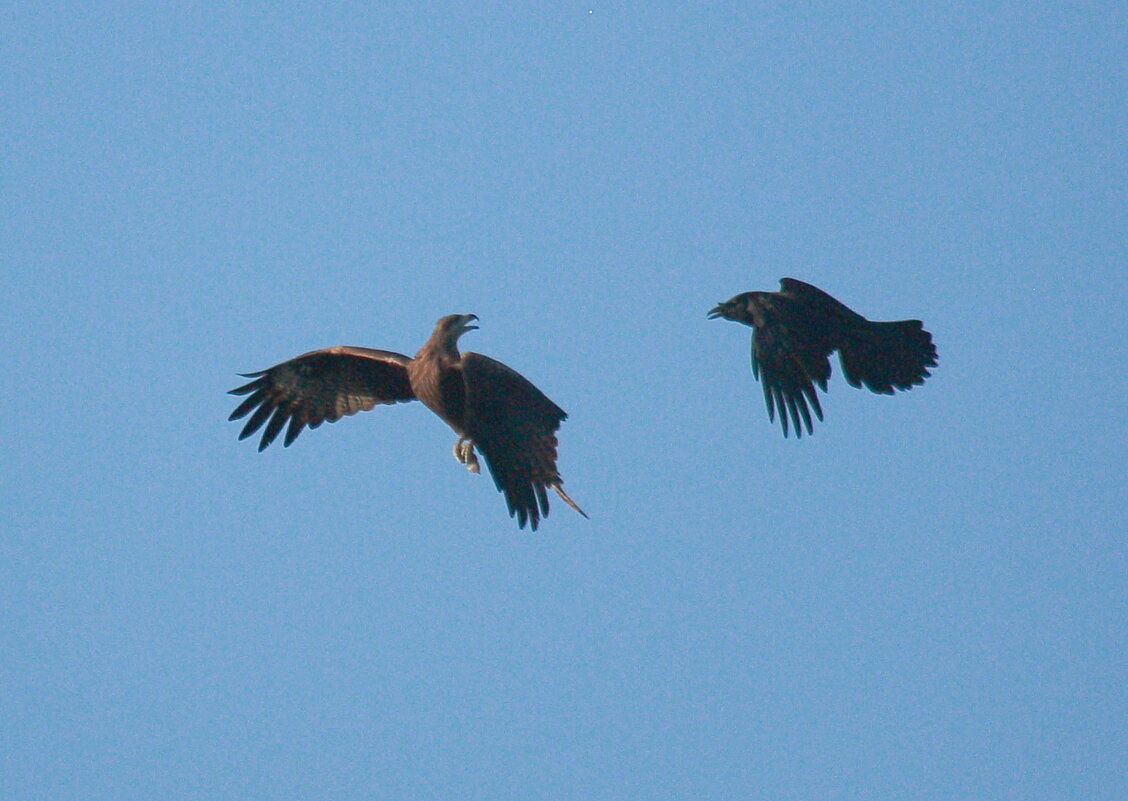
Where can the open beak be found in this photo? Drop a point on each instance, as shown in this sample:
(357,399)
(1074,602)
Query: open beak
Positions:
(466,318)
(716,311)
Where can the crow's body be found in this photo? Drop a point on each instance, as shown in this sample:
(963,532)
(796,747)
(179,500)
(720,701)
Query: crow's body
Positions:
(795,330)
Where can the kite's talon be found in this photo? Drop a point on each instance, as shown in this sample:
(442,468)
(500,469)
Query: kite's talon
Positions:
(464,452)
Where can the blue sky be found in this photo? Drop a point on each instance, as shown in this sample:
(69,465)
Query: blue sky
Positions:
(926,599)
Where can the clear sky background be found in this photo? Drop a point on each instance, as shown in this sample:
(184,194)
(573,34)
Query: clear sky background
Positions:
(927,599)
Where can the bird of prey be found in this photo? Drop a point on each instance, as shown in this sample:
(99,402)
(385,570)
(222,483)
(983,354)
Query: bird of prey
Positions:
(794,332)
(490,406)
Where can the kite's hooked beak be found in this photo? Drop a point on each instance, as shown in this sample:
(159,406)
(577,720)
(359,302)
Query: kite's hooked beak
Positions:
(466,318)
(717,311)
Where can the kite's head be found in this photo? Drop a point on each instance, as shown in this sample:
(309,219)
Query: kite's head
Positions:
(447,331)
(455,325)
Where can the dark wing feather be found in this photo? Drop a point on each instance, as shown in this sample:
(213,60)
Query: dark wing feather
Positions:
(790,354)
(826,311)
(514,426)
(883,356)
(323,385)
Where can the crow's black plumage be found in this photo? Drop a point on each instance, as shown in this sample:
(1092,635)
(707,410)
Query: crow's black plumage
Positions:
(490,406)
(795,330)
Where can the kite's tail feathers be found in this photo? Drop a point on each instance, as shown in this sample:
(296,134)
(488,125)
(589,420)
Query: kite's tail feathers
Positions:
(564,497)
(887,356)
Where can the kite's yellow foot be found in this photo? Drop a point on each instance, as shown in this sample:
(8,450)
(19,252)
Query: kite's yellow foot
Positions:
(464,452)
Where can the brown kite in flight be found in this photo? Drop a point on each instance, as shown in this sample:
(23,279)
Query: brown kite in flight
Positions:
(490,406)
(794,332)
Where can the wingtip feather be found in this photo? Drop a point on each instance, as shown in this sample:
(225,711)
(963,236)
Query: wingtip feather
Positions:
(564,497)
